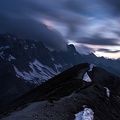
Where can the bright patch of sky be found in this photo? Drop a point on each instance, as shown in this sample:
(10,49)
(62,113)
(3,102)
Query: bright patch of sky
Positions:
(108,55)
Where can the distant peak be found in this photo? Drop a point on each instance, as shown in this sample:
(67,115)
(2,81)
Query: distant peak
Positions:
(71,48)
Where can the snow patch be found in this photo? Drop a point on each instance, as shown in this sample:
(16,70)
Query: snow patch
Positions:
(4,47)
(58,66)
(44,68)
(78,116)
(11,58)
(38,73)
(107,92)
(86,78)
(86,114)
(1,48)
(2,55)
(2,51)
(91,67)
(53,59)
(23,75)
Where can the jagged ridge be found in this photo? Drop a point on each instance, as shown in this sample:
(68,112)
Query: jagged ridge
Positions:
(71,93)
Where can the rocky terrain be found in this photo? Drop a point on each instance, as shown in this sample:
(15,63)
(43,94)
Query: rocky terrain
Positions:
(84,91)
(26,64)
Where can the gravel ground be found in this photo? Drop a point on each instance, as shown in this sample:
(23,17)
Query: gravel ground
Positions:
(56,110)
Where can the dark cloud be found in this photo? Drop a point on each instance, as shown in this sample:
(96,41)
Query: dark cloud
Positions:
(22,17)
(99,40)
(76,6)
(108,50)
(117,32)
(84,7)
(32,29)
(115,6)
(19,17)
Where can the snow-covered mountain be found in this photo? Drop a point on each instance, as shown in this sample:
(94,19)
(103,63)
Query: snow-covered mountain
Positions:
(25,64)
(31,60)
(83,92)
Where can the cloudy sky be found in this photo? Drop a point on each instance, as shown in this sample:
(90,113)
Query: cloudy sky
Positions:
(91,25)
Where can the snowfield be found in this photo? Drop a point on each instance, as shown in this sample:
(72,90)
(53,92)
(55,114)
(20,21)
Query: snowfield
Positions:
(38,73)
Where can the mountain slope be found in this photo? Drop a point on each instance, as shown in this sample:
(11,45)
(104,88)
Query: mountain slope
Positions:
(79,89)
(26,64)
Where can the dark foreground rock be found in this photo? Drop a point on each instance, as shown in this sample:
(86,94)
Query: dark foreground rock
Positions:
(68,93)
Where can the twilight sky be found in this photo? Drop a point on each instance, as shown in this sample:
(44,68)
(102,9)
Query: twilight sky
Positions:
(91,25)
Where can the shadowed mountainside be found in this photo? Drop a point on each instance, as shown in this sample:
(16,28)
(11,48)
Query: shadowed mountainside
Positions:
(67,93)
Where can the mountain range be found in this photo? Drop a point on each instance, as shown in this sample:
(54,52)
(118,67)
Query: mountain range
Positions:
(82,92)
(25,64)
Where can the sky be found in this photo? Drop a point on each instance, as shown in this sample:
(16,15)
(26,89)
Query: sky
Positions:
(93,26)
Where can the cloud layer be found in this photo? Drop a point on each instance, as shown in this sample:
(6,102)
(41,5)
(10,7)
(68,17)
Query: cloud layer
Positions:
(108,50)
(78,20)
(99,40)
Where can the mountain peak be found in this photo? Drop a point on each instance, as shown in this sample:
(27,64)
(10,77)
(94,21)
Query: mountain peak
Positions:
(71,48)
